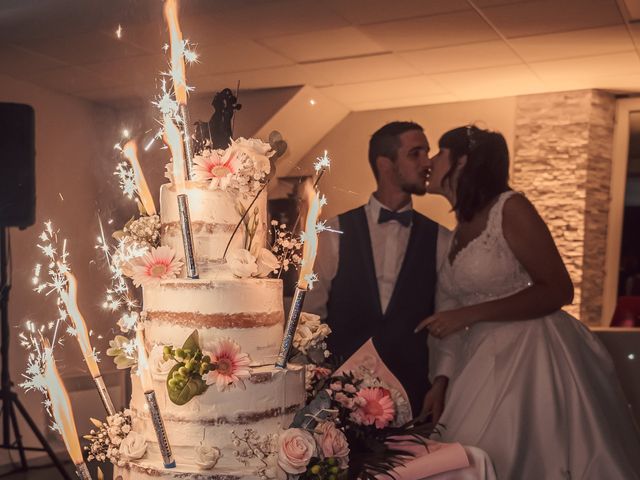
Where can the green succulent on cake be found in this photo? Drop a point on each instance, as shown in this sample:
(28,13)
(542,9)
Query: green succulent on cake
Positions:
(184,380)
(226,366)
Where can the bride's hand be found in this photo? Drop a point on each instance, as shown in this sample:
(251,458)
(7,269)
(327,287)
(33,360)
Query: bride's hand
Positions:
(433,403)
(442,324)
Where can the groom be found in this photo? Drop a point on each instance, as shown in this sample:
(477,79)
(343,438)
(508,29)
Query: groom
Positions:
(377,280)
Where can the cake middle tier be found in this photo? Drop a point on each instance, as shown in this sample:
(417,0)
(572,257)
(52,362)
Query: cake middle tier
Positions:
(248,311)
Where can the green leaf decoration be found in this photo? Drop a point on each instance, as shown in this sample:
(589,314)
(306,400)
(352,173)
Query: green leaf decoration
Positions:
(182,393)
(185,382)
(192,343)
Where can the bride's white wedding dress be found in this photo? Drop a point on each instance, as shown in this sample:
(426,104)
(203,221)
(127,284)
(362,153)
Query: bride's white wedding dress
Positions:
(541,396)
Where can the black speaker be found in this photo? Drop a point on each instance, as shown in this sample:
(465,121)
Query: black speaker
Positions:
(17,160)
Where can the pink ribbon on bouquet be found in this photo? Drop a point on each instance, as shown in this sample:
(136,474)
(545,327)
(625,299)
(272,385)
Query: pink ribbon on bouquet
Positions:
(430,459)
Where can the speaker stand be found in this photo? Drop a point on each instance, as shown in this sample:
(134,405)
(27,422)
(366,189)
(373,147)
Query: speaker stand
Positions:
(10,401)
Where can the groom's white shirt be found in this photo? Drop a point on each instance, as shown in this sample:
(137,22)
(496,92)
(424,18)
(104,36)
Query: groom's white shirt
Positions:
(389,242)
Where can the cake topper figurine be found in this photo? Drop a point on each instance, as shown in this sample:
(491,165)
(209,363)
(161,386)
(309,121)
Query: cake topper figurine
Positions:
(219,129)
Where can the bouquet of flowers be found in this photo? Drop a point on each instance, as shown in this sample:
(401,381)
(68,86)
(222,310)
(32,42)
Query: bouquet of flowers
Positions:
(354,424)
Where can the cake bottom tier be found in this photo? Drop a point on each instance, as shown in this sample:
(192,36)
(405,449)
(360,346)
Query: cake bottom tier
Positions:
(242,424)
(151,467)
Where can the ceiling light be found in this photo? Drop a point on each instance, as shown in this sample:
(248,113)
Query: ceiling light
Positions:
(312,102)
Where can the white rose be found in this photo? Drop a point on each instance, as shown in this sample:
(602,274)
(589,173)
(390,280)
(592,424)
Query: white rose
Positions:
(266,262)
(256,150)
(241,263)
(134,446)
(159,367)
(206,457)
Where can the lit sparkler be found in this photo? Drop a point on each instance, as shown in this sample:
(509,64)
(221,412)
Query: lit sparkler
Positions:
(172,139)
(60,408)
(69,297)
(305,281)
(130,151)
(178,74)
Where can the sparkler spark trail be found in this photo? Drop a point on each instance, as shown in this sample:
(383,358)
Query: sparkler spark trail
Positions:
(118,295)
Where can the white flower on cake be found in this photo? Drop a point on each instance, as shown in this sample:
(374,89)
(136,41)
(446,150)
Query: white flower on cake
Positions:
(267,263)
(231,366)
(210,166)
(311,332)
(206,457)
(241,263)
(124,352)
(134,446)
(156,265)
(250,149)
(157,364)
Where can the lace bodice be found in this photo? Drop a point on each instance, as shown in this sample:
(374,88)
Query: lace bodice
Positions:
(483,270)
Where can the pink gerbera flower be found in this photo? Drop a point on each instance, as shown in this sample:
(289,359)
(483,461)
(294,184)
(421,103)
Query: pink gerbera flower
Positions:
(231,365)
(373,406)
(157,264)
(211,165)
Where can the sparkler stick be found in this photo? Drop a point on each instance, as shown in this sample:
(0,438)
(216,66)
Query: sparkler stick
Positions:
(69,297)
(152,402)
(178,74)
(309,252)
(172,139)
(63,414)
(130,151)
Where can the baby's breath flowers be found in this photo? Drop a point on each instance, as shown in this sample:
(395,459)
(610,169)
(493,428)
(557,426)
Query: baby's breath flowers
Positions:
(286,247)
(105,440)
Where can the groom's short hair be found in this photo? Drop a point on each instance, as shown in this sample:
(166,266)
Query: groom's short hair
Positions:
(385,142)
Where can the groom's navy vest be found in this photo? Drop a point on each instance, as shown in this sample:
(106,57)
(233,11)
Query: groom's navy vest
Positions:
(354,311)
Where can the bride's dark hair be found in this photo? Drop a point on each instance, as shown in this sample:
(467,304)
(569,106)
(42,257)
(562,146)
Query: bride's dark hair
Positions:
(486,172)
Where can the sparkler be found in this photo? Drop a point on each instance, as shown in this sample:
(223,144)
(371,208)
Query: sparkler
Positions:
(152,403)
(130,151)
(306,278)
(60,408)
(172,139)
(178,74)
(69,297)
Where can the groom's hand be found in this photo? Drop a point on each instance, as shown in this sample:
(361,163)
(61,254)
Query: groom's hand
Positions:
(433,404)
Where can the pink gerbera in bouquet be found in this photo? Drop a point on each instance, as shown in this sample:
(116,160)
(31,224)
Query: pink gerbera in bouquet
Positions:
(358,426)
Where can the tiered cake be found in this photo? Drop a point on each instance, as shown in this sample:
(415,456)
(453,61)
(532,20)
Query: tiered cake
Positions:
(241,422)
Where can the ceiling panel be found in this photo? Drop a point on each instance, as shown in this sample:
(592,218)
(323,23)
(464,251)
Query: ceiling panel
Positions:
(237,56)
(549,16)
(143,69)
(375,11)
(19,61)
(431,32)
(281,18)
(578,43)
(364,69)
(384,90)
(69,80)
(491,82)
(404,102)
(85,48)
(265,78)
(589,67)
(462,57)
(324,44)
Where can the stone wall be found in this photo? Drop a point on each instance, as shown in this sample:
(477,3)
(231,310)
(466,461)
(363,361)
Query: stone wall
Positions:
(562,162)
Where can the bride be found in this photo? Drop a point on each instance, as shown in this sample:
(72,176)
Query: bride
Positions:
(529,384)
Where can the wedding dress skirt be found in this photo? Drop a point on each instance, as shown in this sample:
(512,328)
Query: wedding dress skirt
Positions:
(541,396)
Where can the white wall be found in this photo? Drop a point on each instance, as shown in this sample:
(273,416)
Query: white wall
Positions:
(71,156)
(350,181)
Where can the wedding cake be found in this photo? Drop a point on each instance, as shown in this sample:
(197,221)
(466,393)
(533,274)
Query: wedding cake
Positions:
(223,419)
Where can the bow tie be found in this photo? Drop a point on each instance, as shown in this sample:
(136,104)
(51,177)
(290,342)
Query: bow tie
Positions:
(403,218)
